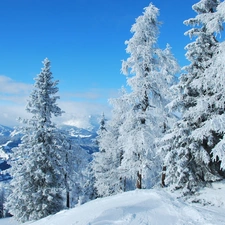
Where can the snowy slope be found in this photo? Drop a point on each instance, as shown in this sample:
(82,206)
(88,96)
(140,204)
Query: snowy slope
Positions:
(143,207)
(8,221)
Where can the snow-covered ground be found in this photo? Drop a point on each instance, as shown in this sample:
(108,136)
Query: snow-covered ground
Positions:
(8,221)
(144,207)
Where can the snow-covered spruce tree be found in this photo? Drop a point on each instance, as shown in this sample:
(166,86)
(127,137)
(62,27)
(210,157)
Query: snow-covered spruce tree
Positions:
(195,143)
(214,128)
(100,163)
(105,162)
(69,152)
(102,127)
(79,177)
(120,107)
(2,199)
(151,71)
(37,163)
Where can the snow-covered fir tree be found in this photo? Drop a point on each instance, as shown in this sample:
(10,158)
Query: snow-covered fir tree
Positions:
(106,162)
(102,127)
(120,107)
(80,186)
(38,162)
(2,199)
(214,128)
(150,73)
(69,163)
(195,144)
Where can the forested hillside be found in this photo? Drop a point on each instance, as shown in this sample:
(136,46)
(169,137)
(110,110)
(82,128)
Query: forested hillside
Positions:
(166,135)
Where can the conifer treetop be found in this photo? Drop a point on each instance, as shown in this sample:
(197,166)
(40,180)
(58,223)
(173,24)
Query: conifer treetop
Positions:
(44,95)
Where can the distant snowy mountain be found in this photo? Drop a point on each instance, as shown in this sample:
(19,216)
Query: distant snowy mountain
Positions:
(85,138)
(5,130)
(4,134)
(90,123)
(142,207)
(10,138)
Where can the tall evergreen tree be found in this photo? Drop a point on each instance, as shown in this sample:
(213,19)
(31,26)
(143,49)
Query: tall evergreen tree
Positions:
(80,187)
(201,100)
(2,199)
(102,127)
(151,71)
(105,162)
(37,163)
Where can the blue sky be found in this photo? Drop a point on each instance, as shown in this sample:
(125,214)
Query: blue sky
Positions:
(84,40)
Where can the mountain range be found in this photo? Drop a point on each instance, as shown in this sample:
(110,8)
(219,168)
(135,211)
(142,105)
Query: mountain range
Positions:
(11,137)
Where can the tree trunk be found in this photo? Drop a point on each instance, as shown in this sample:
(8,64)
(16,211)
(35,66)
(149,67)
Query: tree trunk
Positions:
(163,176)
(123,184)
(68,199)
(139,180)
(67,192)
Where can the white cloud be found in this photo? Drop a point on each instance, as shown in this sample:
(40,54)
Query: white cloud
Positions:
(13,92)
(10,114)
(80,113)
(13,96)
(76,113)
(78,106)
(91,95)
(10,86)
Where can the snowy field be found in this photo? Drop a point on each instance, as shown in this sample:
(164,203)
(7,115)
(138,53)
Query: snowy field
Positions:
(143,207)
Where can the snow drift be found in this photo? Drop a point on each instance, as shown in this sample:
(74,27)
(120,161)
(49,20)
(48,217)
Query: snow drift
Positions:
(144,207)
(141,207)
